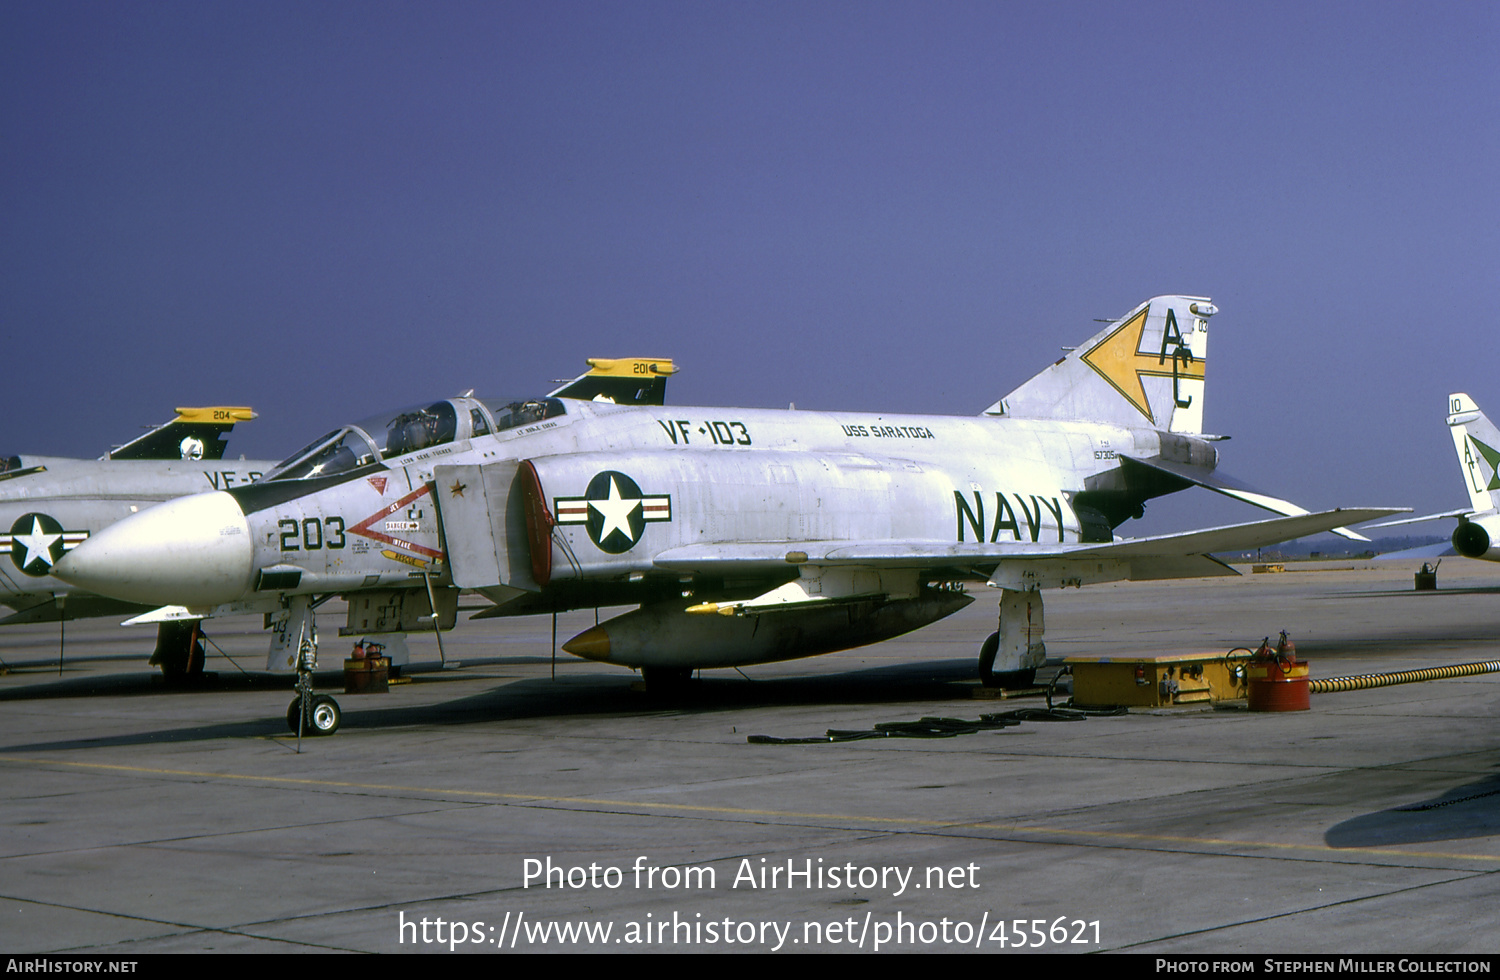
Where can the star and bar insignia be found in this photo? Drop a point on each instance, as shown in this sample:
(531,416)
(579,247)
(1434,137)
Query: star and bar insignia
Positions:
(614,510)
(37,541)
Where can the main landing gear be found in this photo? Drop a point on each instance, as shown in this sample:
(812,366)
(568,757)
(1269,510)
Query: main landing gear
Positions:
(1008,679)
(179,650)
(1010,656)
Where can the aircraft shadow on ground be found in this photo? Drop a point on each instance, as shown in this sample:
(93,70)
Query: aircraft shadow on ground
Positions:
(146,682)
(1424,596)
(92,684)
(1415,642)
(597,694)
(1468,811)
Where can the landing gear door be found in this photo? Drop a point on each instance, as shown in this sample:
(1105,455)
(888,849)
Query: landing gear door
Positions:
(484,525)
(291,626)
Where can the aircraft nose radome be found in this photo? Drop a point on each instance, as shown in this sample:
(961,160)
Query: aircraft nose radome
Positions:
(192,551)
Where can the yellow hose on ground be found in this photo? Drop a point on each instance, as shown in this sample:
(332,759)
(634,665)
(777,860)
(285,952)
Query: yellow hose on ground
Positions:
(1360,682)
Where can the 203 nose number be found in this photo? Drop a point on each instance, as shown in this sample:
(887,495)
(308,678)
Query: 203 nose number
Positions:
(311,534)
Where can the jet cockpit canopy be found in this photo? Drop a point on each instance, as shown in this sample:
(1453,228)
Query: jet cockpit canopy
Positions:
(389,435)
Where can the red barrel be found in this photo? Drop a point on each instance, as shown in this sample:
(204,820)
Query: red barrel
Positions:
(370,675)
(1278,685)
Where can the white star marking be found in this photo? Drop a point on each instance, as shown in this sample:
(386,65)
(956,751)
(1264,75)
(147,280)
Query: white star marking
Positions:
(38,544)
(616,513)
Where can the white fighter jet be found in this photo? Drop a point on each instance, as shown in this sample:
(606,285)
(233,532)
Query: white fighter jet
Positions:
(744,535)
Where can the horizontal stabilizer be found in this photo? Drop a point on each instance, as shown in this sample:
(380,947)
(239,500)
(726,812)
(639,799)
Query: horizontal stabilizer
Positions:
(1424,517)
(1230,487)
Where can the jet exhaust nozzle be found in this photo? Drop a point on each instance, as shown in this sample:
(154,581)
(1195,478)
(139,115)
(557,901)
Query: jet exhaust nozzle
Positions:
(1472,539)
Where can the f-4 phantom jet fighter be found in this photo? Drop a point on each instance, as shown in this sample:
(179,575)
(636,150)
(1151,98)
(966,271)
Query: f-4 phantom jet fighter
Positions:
(744,535)
(1477,442)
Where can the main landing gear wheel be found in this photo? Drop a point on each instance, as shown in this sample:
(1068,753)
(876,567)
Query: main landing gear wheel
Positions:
(179,650)
(1009,679)
(324,718)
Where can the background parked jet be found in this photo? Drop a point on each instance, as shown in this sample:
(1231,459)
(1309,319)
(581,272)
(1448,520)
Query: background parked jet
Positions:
(49,504)
(745,535)
(1477,441)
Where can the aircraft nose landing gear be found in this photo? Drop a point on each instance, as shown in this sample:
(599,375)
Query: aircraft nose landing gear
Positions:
(309,713)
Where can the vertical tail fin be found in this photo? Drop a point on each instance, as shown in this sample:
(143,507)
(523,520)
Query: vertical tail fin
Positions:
(624,381)
(1478,444)
(196,433)
(1145,368)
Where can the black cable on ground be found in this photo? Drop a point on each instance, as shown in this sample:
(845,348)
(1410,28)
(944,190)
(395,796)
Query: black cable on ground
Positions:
(939,727)
(1417,807)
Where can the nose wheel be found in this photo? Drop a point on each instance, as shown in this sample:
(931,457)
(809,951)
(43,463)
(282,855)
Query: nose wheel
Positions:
(322,718)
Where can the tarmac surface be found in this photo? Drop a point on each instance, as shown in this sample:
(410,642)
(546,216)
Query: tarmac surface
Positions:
(139,819)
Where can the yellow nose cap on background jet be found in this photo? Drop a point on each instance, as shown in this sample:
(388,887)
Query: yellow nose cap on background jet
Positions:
(192,551)
(592,643)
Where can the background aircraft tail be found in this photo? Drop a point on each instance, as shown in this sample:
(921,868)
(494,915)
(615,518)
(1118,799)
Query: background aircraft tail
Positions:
(196,433)
(1478,444)
(622,380)
(1145,368)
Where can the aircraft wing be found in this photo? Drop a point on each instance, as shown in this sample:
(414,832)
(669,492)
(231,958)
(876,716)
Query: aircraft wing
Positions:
(936,554)
(830,571)
(1231,487)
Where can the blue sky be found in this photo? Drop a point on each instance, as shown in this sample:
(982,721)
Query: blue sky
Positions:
(324,210)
